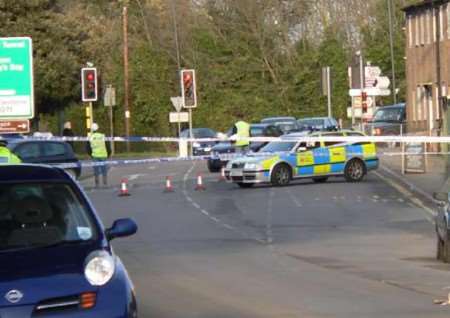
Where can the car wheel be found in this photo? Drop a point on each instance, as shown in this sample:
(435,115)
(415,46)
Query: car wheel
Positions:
(281,175)
(439,249)
(245,185)
(213,169)
(355,170)
(320,179)
(72,173)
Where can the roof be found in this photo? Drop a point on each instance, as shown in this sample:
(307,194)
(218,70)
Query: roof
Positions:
(423,4)
(401,105)
(27,172)
(279,118)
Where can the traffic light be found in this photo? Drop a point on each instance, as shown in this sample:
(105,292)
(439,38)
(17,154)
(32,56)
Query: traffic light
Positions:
(89,84)
(364,102)
(188,88)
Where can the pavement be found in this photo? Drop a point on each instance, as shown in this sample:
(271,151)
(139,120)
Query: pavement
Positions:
(422,185)
(307,250)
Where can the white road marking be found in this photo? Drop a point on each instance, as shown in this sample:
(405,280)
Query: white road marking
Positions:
(134,176)
(207,214)
(296,201)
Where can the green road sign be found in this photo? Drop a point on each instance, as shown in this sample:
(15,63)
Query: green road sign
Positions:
(16,78)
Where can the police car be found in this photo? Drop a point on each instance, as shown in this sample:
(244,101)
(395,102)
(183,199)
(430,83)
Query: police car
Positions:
(280,162)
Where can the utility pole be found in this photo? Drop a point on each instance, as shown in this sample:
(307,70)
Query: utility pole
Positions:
(330,114)
(125,76)
(391,43)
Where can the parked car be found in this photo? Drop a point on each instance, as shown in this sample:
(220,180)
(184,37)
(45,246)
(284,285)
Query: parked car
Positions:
(286,124)
(442,225)
(318,124)
(201,148)
(388,121)
(56,256)
(281,162)
(221,152)
(46,152)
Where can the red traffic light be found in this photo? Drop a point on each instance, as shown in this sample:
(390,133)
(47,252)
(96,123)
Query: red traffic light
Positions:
(89,84)
(90,76)
(188,88)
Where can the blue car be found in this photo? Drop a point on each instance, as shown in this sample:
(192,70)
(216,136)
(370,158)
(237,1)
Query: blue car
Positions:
(55,255)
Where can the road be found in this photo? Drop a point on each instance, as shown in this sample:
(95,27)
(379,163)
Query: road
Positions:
(307,250)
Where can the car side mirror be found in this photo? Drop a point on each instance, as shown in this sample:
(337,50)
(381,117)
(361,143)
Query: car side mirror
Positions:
(441,197)
(121,228)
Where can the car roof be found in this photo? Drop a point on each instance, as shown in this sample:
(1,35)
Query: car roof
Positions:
(279,118)
(30,173)
(401,105)
(295,135)
(261,125)
(315,118)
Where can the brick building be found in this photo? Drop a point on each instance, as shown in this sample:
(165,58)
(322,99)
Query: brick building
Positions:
(427,23)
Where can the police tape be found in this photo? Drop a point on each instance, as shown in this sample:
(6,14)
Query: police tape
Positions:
(124,162)
(222,158)
(286,138)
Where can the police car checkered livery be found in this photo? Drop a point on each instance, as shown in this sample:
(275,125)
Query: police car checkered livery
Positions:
(280,162)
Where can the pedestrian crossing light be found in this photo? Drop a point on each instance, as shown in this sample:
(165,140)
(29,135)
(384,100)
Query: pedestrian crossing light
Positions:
(89,84)
(188,88)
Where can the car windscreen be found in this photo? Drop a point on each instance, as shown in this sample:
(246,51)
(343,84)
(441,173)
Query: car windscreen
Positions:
(388,115)
(278,146)
(41,214)
(315,123)
(256,131)
(287,127)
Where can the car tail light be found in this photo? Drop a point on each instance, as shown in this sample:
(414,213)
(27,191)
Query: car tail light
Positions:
(88,300)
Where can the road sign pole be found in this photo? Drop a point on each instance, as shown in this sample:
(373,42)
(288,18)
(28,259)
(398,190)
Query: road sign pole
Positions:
(329,91)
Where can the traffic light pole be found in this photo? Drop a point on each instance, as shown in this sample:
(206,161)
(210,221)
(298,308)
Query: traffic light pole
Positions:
(191,135)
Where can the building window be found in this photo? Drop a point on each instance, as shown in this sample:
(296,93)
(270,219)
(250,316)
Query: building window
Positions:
(434,25)
(417,30)
(441,23)
(419,103)
(410,31)
(428,26)
(448,21)
(422,28)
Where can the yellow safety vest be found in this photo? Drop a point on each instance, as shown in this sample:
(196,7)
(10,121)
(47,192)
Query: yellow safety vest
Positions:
(98,146)
(243,131)
(7,157)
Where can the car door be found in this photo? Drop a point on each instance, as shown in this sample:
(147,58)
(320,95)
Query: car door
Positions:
(29,152)
(305,158)
(337,153)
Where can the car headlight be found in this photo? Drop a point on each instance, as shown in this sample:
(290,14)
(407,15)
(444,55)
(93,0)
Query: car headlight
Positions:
(251,166)
(196,145)
(99,268)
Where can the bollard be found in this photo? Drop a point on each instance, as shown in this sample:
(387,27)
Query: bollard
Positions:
(222,174)
(200,186)
(168,187)
(124,188)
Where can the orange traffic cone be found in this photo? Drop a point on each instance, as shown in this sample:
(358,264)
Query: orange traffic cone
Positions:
(124,188)
(222,174)
(168,187)
(200,186)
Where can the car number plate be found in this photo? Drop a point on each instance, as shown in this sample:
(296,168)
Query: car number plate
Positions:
(236,173)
